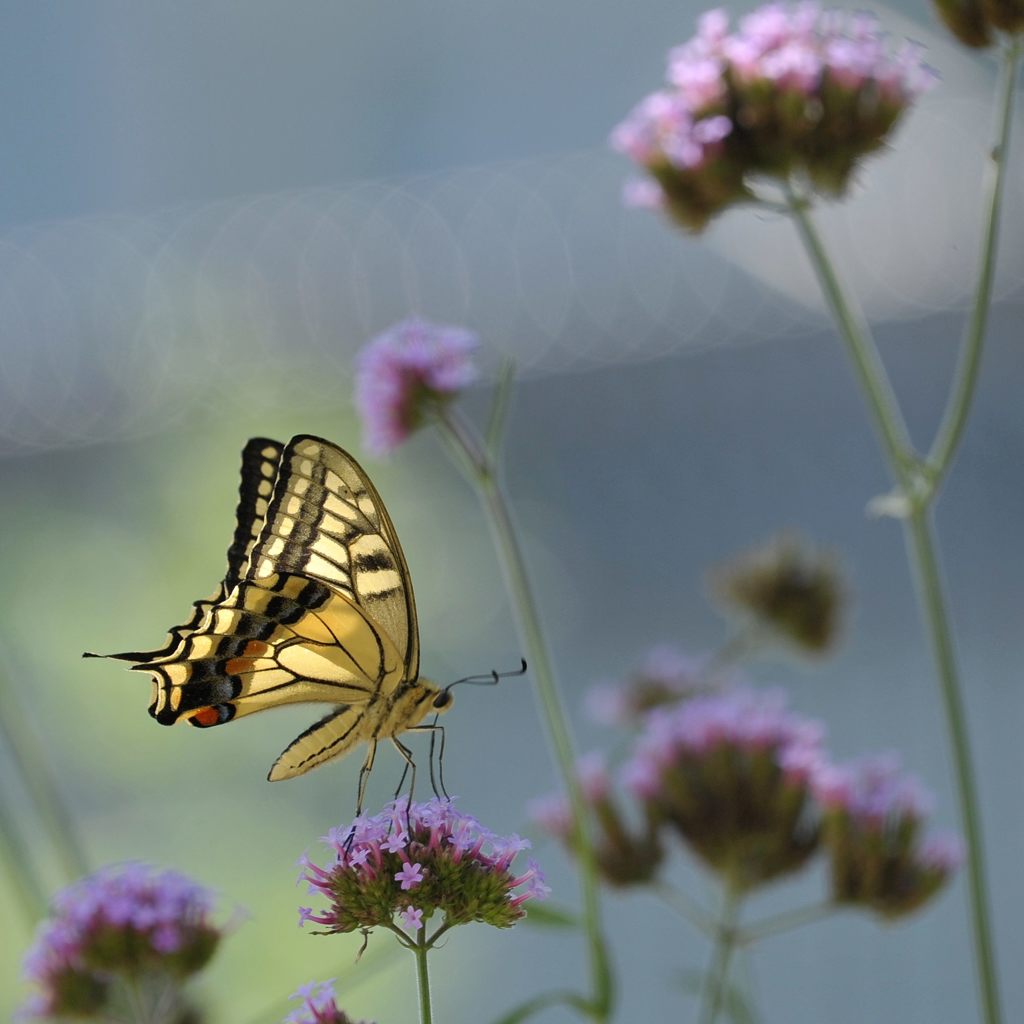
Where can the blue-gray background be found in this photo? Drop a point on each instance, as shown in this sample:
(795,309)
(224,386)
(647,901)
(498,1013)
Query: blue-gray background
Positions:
(207,207)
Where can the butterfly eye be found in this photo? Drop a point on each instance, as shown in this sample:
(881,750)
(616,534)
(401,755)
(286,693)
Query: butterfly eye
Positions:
(442,700)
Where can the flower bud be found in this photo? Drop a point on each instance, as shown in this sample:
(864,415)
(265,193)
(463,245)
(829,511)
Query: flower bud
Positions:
(790,589)
(976,22)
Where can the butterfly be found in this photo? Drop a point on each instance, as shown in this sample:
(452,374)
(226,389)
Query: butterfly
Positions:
(316,606)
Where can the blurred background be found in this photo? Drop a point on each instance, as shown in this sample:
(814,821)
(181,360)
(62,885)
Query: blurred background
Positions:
(208,207)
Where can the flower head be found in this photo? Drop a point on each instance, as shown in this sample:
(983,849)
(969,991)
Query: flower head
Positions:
(449,864)
(665,675)
(730,772)
(976,22)
(405,372)
(793,90)
(791,589)
(624,855)
(122,921)
(873,818)
(318,1006)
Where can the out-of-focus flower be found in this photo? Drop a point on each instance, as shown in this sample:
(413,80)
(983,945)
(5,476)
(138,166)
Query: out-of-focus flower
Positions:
(318,1006)
(126,921)
(623,856)
(790,588)
(873,818)
(421,857)
(976,22)
(406,373)
(666,675)
(730,772)
(795,90)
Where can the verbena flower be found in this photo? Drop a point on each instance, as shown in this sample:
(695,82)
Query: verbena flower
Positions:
(790,588)
(424,857)
(318,1006)
(624,856)
(976,22)
(795,90)
(730,773)
(666,675)
(874,815)
(126,921)
(405,373)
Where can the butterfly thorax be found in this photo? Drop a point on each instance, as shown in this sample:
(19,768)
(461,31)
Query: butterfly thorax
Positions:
(409,704)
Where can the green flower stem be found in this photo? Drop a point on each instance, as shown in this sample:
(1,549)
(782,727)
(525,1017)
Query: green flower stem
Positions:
(955,417)
(481,470)
(919,534)
(35,770)
(717,977)
(20,865)
(860,347)
(423,981)
(784,922)
(687,908)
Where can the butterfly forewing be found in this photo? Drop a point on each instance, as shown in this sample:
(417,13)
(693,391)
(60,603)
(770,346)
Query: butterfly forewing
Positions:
(327,521)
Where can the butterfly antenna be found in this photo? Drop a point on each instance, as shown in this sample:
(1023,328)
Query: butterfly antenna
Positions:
(490,678)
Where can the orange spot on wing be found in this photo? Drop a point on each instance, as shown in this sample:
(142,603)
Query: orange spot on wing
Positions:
(255,649)
(206,716)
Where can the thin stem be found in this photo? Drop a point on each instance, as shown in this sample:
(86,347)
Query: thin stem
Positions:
(717,976)
(784,922)
(541,1002)
(482,473)
(955,417)
(20,864)
(919,531)
(423,980)
(860,346)
(35,770)
(921,549)
(687,908)
(499,410)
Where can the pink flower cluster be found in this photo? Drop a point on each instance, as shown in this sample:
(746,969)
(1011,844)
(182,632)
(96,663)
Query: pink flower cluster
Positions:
(405,371)
(666,675)
(414,859)
(121,920)
(873,817)
(318,1006)
(750,789)
(743,721)
(795,88)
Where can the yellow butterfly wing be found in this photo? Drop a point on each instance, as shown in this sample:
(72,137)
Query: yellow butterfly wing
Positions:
(261,459)
(327,521)
(316,606)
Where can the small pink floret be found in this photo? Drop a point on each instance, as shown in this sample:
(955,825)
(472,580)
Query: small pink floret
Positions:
(401,368)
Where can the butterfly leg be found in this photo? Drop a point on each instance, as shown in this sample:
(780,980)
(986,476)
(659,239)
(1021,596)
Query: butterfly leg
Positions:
(364,776)
(410,766)
(434,731)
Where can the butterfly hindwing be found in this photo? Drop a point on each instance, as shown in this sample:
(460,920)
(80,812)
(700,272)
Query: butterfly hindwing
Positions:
(284,640)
